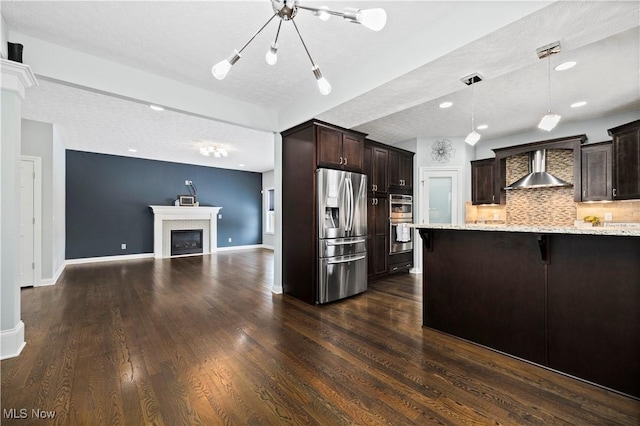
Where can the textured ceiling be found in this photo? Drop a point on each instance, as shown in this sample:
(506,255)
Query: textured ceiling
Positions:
(387,84)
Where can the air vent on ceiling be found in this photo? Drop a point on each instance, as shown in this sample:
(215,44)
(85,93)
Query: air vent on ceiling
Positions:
(471,79)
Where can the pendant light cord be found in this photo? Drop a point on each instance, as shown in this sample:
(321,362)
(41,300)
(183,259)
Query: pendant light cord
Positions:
(473,105)
(549,81)
(257,32)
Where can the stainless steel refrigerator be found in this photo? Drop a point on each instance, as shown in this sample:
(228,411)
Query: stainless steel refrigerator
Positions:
(342,234)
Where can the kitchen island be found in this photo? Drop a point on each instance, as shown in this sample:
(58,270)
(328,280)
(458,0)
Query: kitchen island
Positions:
(564,298)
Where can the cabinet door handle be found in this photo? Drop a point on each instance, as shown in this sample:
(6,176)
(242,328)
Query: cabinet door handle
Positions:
(493,198)
(340,160)
(614,193)
(376,201)
(345,161)
(584,193)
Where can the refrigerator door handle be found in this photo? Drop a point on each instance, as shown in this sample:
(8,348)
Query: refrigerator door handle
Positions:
(344,243)
(351,259)
(349,202)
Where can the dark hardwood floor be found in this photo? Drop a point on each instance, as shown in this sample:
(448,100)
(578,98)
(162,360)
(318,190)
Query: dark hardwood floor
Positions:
(202,340)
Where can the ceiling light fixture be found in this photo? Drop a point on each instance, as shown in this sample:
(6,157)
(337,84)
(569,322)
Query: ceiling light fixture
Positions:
(565,66)
(578,104)
(473,137)
(156,107)
(482,127)
(215,149)
(550,120)
(445,105)
(286,10)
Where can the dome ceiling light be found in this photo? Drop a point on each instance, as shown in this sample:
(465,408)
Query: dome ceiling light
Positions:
(286,10)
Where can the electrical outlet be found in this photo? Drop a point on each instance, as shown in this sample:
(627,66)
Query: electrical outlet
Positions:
(608,217)
(496,216)
(229,239)
(220,216)
(123,246)
(188,182)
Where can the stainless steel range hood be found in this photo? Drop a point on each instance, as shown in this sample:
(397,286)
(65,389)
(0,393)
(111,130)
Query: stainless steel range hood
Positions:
(537,176)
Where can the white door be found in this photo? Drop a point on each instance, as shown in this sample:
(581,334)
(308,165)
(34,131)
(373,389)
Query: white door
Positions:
(27,223)
(439,195)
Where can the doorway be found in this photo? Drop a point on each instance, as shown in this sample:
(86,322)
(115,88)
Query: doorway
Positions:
(440,195)
(30,220)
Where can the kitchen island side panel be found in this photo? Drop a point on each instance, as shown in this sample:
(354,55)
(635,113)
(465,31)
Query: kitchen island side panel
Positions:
(594,309)
(488,288)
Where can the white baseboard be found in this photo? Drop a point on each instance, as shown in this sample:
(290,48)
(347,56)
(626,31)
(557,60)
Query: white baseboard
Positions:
(415,270)
(51,281)
(247,247)
(276,290)
(268,247)
(109,258)
(12,341)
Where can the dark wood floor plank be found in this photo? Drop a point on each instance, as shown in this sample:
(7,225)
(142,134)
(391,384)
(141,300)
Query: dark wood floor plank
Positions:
(202,340)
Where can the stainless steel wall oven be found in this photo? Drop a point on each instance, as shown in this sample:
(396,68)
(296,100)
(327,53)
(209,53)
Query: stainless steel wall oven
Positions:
(400,216)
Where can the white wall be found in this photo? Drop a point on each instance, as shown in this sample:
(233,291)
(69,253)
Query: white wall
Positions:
(3,38)
(41,140)
(268,179)
(596,131)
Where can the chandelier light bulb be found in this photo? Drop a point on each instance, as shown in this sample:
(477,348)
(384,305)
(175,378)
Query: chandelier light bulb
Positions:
(272,54)
(323,84)
(322,13)
(549,121)
(221,69)
(472,138)
(374,19)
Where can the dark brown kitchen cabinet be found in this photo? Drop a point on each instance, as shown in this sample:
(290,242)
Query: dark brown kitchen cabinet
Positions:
(375,166)
(338,148)
(400,169)
(305,148)
(378,235)
(596,172)
(483,182)
(626,161)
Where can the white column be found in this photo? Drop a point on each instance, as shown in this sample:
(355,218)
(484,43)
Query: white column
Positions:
(16,78)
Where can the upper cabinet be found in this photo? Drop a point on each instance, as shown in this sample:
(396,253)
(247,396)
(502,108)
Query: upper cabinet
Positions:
(483,182)
(596,172)
(626,161)
(375,166)
(400,169)
(338,148)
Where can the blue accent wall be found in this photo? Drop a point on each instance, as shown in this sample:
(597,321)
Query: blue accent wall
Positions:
(108,198)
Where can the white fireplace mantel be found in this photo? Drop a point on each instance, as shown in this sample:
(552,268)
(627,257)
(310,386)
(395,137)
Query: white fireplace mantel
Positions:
(168,213)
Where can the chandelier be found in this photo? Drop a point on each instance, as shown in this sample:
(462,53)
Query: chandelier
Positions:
(286,10)
(216,150)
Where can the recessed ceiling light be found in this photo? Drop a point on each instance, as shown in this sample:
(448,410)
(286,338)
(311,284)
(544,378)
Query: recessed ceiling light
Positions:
(565,66)
(241,165)
(133,150)
(482,127)
(578,104)
(446,104)
(156,107)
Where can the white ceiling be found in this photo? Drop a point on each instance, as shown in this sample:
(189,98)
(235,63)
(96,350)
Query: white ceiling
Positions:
(387,84)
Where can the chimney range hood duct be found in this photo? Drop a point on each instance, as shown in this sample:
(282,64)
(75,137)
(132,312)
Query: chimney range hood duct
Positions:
(537,176)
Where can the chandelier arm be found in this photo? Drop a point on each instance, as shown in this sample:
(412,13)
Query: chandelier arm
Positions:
(278,32)
(317,9)
(257,32)
(304,45)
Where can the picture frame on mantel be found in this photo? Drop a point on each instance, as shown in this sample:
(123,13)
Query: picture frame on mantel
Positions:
(187,200)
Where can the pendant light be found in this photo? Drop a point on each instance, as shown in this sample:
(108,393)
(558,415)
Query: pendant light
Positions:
(286,10)
(473,137)
(550,120)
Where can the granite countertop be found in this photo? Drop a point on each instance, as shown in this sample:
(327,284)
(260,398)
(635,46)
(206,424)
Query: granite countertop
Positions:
(628,232)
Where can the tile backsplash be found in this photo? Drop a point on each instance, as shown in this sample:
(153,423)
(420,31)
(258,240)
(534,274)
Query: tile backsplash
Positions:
(548,206)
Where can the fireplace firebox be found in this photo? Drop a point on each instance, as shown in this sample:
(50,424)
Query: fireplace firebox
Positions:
(186,241)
